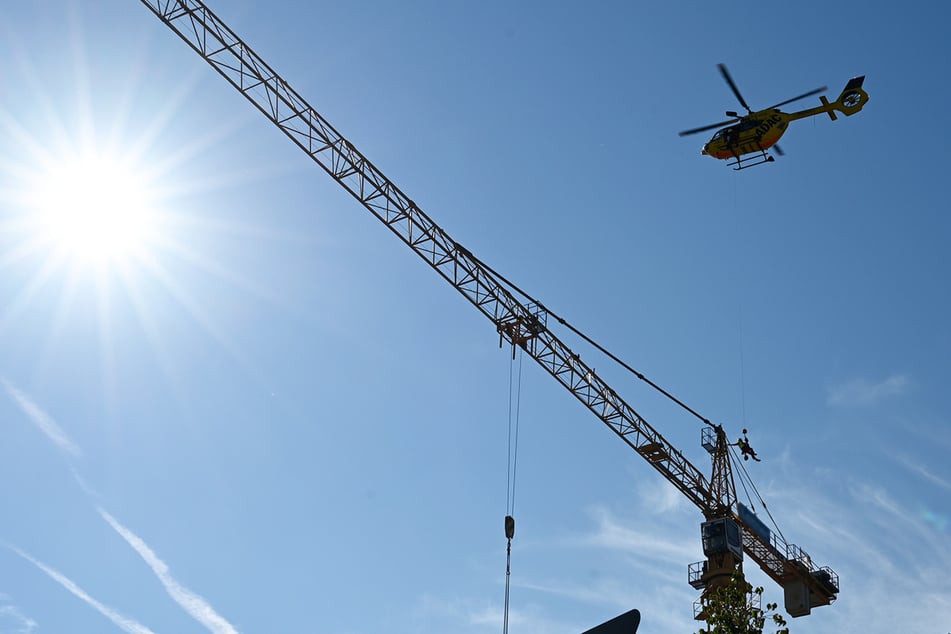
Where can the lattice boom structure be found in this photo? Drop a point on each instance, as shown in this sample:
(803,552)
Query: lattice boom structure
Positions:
(217,44)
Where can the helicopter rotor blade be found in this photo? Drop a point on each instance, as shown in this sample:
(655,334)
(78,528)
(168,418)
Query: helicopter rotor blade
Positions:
(736,91)
(708,127)
(802,96)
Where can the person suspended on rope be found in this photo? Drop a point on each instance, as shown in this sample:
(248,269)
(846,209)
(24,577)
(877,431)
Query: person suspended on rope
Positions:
(747,451)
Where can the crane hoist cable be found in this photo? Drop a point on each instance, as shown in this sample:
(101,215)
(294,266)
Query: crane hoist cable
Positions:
(509,534)
(744,475)
(594,343)
(515,403)
(735,460)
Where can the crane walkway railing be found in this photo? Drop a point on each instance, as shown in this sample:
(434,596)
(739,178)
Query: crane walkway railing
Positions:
(787,563)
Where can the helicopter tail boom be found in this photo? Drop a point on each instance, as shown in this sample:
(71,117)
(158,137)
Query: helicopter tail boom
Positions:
(829,108)
(852,99)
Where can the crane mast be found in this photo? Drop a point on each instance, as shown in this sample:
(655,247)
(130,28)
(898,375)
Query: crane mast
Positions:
(519,324)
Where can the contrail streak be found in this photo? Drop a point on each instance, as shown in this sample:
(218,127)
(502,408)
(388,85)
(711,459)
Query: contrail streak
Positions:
(124,623)
(10,612)
(192,603)
(43,421)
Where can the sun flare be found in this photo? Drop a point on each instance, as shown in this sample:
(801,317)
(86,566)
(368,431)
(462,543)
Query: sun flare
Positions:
(93,208)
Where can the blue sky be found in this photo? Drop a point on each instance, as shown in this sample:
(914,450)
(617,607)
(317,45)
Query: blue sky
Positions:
(267,415)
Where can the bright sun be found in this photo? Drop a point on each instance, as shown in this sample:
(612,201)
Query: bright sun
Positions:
(93,208)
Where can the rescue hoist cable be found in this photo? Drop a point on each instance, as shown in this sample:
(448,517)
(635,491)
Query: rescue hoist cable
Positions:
(739,302)
(742,372)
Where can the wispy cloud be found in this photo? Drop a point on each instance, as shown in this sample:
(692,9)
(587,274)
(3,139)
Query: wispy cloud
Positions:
(924,472)
(475,616)
(603,567)
(635,533)
(862,392)
(43,421)
(122,622)
(891,561)
(611,533)
(193,604)
(12,619)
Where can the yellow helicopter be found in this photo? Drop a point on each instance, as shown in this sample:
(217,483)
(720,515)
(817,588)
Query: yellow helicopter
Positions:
(756,132)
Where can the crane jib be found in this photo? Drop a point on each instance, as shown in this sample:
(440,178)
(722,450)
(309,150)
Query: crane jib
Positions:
(217,44)
(205,33)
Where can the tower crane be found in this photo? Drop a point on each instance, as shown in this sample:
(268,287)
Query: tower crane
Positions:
(729,530)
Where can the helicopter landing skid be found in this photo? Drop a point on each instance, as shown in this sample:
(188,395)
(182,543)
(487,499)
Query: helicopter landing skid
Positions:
(740,164)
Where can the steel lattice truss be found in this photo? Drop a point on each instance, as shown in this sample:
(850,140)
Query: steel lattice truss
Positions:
(274,97)
(204,32)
